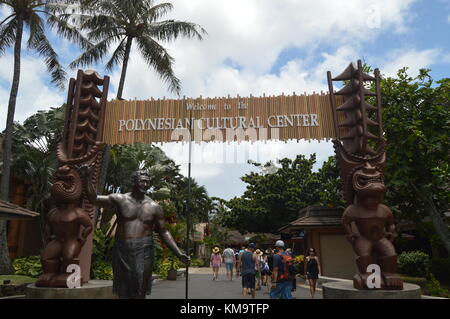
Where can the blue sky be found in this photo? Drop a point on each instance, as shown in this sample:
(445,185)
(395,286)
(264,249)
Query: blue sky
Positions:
(261,46)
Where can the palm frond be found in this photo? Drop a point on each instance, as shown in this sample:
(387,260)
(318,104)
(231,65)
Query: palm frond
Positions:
(68,31)
(7,35)
(117,56)
(158,57)
(153,13)
(94,53)
(102,26)
(170,30)
(7,18)
(39,42)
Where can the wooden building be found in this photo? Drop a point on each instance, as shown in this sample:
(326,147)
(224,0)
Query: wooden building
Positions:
(23,227)
(321,228)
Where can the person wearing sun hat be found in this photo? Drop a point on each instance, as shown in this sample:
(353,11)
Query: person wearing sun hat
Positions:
(216,261)
(259,254)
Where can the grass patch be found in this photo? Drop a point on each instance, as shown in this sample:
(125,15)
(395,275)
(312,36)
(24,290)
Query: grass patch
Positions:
(17,279)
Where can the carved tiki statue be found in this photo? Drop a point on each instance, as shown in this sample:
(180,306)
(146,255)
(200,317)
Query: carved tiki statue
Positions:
(69,225)
(360,152)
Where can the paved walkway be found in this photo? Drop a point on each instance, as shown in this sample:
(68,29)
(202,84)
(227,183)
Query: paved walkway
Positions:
(201,286)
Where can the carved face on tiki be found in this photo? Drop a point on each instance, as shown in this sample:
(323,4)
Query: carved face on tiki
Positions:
(369,185)
(67,187)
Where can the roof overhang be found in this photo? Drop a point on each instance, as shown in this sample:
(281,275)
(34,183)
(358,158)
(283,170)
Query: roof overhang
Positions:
(9,211)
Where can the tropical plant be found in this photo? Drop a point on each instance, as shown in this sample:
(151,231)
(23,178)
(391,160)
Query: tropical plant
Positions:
(28,266)
(200,203)
(416,116)
(414,263)
(435,289)
(34,15)
(34,156)
(121,23)
(101,267)
(440,268)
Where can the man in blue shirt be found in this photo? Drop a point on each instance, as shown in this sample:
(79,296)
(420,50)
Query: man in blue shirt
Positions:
(281,288)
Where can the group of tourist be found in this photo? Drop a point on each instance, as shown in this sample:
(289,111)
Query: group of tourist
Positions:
(272,268)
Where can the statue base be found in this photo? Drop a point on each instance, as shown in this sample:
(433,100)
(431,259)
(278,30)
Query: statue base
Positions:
(345,290)
(94,289)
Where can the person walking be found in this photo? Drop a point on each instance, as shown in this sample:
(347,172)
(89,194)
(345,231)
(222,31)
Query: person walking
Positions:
(312,270)
(294,281)
(264,270)
(269,260)
(282,281)
(216,262)
(258,275)
(236,263)
(229,259)
(248,261)
(238,266)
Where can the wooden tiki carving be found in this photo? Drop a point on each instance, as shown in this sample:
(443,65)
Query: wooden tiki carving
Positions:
(360,152)
(69,225)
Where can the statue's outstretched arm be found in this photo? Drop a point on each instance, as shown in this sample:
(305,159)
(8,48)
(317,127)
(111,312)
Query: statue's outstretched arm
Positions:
(99,200)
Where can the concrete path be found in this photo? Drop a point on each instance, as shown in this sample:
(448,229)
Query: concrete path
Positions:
(201,286)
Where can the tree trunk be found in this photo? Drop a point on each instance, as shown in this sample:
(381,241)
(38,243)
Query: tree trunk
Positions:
(124,67)
(107,149)
(438,222)
(5,263)
(436,218)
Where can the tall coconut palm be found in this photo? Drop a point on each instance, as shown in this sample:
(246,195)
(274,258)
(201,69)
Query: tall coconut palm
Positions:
(121,23)
(34,15)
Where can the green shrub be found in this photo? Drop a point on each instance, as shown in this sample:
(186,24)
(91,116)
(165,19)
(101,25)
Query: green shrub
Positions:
(197,262)
(102,270)
(440,267)
(434,288)
(414,263)
(28,266)
(101,266)
(167,264)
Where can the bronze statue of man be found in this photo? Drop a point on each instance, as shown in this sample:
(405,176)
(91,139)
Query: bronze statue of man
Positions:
(133,254)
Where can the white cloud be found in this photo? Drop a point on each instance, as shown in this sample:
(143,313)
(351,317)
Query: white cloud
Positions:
(413,59)
(34,91)
(253,33)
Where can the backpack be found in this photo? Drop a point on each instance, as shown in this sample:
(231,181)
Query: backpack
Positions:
(288,267)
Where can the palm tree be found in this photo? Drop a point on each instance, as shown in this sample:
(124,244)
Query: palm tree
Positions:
(34,14)
(111,22)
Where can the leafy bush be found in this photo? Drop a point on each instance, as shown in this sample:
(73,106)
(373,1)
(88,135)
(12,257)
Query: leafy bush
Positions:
(414,263)
(434,288)
(102,270)
(197,262)
(166,265)
(101,267)
(28,266)
(440,267)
